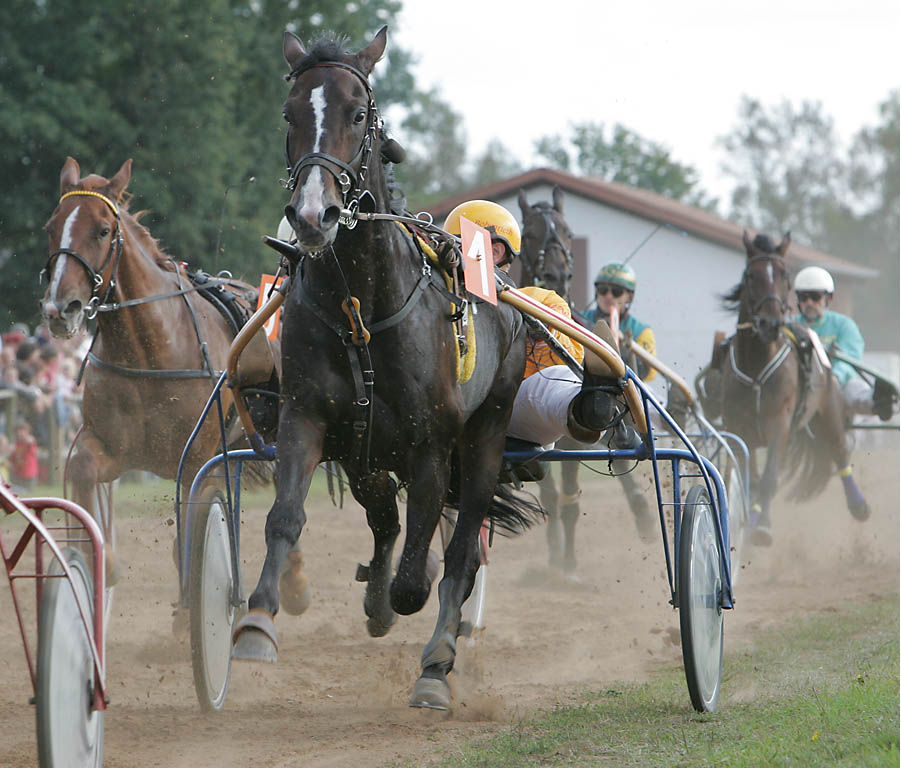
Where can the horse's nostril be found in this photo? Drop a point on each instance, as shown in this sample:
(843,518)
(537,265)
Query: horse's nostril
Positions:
(72,308)
(329,217)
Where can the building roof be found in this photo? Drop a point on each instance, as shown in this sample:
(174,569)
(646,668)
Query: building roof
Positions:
(650,205)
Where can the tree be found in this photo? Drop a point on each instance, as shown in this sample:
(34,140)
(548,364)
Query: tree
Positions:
(624,156)
(192,92)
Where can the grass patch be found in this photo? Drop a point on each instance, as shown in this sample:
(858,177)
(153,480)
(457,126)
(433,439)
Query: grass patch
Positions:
(820,692)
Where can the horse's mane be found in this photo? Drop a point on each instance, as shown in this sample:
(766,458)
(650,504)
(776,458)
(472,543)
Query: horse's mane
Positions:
(329,46)
(93,183)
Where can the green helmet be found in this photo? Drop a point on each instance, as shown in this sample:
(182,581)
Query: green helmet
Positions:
(617,274)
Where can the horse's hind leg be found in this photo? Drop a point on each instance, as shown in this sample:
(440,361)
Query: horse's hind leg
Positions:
(549,498)
(830,424)
(378,495)
(569,512)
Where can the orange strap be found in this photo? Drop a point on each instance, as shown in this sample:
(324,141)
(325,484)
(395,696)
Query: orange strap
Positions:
(352,316)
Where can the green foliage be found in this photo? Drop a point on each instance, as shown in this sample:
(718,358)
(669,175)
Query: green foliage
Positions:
(819,692)
(623,156)
(193,93)
(792,174)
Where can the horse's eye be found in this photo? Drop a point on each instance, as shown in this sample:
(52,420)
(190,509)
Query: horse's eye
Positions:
(360,116)
(104,232)
(285,115)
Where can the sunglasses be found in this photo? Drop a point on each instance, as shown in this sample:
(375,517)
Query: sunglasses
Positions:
(616,290)
(810,296)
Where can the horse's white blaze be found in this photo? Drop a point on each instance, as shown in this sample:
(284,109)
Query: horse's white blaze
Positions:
(311,192)
(64,242)
(769,272)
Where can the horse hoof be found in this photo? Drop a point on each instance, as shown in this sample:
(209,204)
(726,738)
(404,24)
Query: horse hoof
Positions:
(860,511)
(429,693)
(379,628)
(255,638)
(294,592)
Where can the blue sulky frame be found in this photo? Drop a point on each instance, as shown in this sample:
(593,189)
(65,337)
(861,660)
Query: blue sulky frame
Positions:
(227,467)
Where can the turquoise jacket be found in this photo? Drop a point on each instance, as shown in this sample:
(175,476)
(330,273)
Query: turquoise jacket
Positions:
(642,334)
(841,330)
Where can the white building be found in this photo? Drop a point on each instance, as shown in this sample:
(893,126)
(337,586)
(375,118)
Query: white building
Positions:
(685,258)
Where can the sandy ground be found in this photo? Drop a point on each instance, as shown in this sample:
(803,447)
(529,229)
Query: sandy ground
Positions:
(339,698)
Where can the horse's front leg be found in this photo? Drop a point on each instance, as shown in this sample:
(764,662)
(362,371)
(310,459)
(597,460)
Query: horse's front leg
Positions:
(90,466)
(378,495)
(829,425)
(777,429)
(480,464)
(300,442)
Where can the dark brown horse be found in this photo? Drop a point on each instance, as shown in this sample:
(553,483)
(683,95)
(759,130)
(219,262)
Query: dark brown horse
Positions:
(370,369)
(546,260)
(777,394)
(159,343)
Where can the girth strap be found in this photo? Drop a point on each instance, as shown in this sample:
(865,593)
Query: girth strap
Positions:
(152,373)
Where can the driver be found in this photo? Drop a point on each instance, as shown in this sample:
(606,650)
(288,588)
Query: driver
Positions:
(814,289)
(551,401)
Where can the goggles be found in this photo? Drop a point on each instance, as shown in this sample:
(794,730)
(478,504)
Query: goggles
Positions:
(616,290)
(816,296)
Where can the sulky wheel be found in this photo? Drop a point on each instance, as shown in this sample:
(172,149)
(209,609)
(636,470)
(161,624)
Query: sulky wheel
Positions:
(69,730)
(700,586)
(210,590)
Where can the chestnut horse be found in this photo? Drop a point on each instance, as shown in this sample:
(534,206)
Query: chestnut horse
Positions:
(371,376)
(777,394)
(159,345)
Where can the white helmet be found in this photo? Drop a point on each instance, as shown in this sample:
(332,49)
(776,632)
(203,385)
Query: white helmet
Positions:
(814,279)
(285,232)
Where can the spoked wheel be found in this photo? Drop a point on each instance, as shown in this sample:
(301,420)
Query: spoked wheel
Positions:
(210,589)
(700,585)
(69,730)
(474,607)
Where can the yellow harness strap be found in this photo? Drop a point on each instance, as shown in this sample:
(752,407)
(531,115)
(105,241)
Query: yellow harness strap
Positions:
(88,193)
(465,363)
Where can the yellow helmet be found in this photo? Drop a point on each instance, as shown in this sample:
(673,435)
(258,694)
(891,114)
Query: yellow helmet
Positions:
(493,217)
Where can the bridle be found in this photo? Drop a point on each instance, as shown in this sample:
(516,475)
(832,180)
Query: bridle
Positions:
(350,175)
(551,237)
(784,308)
(114,254)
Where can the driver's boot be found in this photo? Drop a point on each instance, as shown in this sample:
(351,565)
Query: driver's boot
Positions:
(593,409)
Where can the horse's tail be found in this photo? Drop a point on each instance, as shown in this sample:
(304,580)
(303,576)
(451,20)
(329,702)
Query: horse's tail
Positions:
(509,512)
(810,460)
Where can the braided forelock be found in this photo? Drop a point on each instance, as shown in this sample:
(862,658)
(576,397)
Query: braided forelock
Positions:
(330,46)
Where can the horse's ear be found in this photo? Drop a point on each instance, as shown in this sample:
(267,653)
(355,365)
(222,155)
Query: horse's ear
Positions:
(373,52)
(293,50)
(786,241)
(120,181)
(69,176)
(524,206)
(746,239)
(557,196)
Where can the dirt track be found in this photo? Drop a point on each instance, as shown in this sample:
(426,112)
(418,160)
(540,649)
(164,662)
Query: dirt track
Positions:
(339,698)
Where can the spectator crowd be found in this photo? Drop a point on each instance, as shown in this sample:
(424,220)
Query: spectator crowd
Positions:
(39,400)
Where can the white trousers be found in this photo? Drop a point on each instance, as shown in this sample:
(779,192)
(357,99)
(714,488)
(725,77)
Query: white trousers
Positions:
(539,411)
(858,395)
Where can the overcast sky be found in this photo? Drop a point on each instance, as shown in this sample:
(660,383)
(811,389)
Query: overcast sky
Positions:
(674,72)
